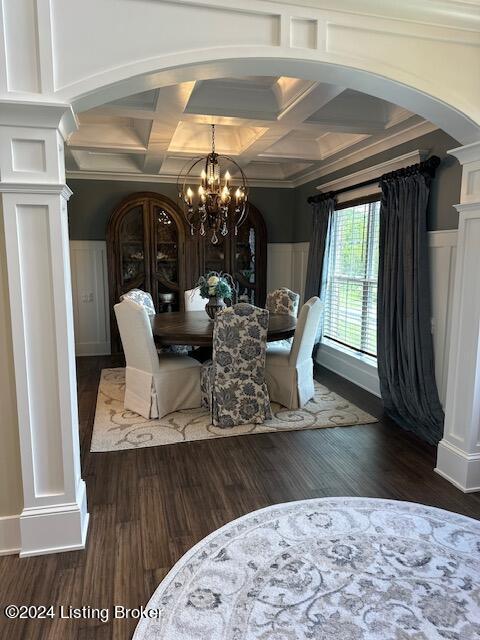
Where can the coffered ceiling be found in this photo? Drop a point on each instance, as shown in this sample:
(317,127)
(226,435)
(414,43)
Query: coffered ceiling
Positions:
(282,131)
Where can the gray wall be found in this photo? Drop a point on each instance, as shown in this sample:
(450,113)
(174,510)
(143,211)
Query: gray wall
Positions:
(93,201)
(445,191)
(286,211)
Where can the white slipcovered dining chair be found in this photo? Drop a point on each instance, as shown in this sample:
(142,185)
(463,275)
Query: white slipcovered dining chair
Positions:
(155,384)
(289,370)
(193,300)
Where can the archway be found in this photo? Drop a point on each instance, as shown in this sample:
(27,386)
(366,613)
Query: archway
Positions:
(405,68)
(447,117)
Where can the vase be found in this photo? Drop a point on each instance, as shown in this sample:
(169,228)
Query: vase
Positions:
(214,305)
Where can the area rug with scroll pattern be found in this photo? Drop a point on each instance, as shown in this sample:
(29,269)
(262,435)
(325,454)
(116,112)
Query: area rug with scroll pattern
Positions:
(115,428)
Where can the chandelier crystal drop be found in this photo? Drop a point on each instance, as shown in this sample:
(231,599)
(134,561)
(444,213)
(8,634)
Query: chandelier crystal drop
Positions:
(213,206)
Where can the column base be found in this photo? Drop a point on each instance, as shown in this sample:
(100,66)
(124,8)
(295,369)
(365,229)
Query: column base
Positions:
(54,529)
(460,468)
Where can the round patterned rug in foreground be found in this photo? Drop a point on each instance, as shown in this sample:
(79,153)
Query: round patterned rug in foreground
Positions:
(326,569)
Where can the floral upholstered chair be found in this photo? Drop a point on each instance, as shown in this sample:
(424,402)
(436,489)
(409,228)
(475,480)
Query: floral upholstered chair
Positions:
(233,384)
(283,301)
(143,298)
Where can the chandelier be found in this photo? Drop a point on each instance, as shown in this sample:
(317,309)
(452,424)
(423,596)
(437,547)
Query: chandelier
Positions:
(214,206)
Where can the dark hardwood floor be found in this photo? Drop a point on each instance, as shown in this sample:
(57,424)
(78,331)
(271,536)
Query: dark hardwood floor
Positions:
(147,507)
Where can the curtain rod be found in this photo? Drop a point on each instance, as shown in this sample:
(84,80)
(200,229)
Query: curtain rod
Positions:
(427,166)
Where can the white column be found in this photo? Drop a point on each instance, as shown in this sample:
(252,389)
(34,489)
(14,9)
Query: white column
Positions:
(34,202)
(458,458)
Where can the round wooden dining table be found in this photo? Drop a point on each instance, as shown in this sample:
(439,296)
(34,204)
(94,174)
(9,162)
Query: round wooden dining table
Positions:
(196,328)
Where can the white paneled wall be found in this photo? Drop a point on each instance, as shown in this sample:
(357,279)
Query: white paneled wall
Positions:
(443,246)
(287,265)
(88,259)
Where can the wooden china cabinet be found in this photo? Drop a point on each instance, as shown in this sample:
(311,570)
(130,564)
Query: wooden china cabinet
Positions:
(150,247)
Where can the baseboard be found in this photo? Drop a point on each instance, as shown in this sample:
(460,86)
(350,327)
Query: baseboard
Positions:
(361,373)
(9,535)
(459,468)
(55,529)
(92,349)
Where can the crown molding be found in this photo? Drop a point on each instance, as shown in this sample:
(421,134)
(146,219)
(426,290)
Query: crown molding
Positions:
(383,144)
(115,176)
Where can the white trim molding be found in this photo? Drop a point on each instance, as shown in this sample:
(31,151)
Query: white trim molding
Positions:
(34,202)
(10,542)
(362,371)
(88,259)
(458,457)
(442,252)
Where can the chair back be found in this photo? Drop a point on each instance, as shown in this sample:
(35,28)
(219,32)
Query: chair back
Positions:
(239,346)
(137,337)
(143,298)
(284,301)
(306,331)
(193,300)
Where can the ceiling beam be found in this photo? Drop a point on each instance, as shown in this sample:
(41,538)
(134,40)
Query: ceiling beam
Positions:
(171,102)
(306,104)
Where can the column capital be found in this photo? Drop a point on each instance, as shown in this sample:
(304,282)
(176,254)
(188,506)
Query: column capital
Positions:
(469,158)
(467,153)
(37,189)
(40,115)
(32,142)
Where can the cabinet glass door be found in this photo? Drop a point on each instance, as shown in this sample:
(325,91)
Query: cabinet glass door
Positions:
(244,260)
(132,250)
(166,260)
(216,258)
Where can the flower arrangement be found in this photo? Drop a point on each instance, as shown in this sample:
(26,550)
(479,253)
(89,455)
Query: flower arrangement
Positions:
(214,285)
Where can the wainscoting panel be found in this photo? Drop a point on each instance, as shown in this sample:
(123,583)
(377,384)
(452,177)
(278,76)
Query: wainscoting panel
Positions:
(279,265)
(287,266)
(442,246)
(88,260)
(299,267)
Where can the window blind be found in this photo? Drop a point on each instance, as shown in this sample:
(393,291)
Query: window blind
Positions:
(352,275)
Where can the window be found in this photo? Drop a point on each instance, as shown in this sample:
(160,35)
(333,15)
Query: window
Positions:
(352,274)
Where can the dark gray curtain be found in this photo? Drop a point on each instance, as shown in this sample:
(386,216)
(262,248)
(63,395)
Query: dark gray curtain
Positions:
(318,250)
(405,348)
